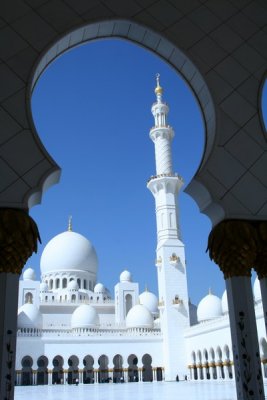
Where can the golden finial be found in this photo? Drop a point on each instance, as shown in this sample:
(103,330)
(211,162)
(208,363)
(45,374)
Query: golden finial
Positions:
(70,224)
(158,89)
(146,288)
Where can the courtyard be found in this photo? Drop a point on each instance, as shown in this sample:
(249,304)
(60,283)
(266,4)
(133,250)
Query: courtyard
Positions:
(131,391)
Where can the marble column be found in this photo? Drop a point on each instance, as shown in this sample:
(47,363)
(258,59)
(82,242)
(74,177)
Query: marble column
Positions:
(233,245)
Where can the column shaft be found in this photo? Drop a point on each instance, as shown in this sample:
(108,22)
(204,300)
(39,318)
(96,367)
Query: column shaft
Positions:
(8,332)
(249,384)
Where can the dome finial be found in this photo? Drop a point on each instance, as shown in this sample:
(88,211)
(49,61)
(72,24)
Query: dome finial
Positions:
(158,89)
(210,291)
(70,224)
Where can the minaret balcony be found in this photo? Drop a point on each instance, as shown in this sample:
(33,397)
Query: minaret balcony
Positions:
(169,175)
(163,131)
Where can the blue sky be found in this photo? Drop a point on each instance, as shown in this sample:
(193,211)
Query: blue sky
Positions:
(91,108)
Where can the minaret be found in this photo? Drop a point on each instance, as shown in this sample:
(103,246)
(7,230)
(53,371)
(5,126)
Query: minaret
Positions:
(170,256)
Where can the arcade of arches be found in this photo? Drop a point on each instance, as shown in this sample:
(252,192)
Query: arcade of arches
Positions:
(101,370)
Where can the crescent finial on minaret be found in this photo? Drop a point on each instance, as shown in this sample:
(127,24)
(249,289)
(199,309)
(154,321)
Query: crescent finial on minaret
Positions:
(70,224)
(158,89)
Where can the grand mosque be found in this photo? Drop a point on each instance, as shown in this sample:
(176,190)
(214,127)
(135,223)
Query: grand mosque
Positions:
(72,328)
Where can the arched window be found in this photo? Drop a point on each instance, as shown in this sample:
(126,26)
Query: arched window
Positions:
(51,284)
(28,298)
(128,303)
(64,283)
(84,284)
(57,283)
(73,297)
(79,283)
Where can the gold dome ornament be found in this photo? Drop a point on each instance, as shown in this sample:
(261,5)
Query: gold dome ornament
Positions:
(158,89)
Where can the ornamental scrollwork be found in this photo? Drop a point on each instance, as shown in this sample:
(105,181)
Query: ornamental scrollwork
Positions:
(19,236)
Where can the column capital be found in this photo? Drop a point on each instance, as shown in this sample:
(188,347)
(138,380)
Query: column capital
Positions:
(18,239)
(233,245)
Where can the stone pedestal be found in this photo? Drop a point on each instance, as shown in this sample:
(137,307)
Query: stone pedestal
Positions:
(246,355)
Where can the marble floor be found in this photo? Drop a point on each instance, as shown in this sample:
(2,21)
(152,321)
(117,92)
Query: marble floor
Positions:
(131,391)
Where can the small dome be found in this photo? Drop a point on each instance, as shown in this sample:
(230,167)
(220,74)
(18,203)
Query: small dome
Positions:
(29,316)
(99,288)
(73,285)
(43,287)
(139,317)
(257,290)
(150,301)
(29,275)
(69,251)
(126,276)
(225,308)
(85,316)
(209,307)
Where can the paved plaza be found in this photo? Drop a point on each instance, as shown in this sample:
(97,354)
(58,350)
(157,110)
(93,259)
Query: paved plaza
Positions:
(131,391)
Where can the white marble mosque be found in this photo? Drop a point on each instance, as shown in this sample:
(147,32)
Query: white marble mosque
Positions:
(71,327)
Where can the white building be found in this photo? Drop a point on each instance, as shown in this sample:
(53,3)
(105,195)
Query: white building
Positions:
(71,327)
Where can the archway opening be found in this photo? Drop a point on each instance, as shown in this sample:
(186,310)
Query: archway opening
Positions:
(88,371)
(103,376)
(57,372)
(133,368)
(26,372)
(118,368)
(105,123)
(73,370)
(42,371)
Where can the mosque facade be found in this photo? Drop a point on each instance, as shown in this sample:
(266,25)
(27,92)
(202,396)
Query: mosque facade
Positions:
(72,328)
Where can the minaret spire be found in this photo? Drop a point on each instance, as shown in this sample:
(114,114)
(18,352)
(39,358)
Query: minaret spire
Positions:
(70,224)
(170,256)
(158,89)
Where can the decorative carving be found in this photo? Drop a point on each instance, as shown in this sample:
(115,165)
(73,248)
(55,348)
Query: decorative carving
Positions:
(233,245)
(161,303)
(9,365)
(18,239)
(174,259)
(158,262)
(177,300)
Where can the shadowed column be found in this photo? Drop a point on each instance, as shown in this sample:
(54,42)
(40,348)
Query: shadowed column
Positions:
(18,240)
(233,245)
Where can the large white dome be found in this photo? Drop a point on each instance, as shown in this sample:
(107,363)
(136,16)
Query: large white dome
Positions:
(150,301)
(139,317)
(209,307)
(29,316)
(85,316)
(69,251)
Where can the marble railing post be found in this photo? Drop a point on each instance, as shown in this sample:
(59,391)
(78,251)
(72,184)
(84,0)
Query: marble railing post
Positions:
(18,240)
(233,245)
